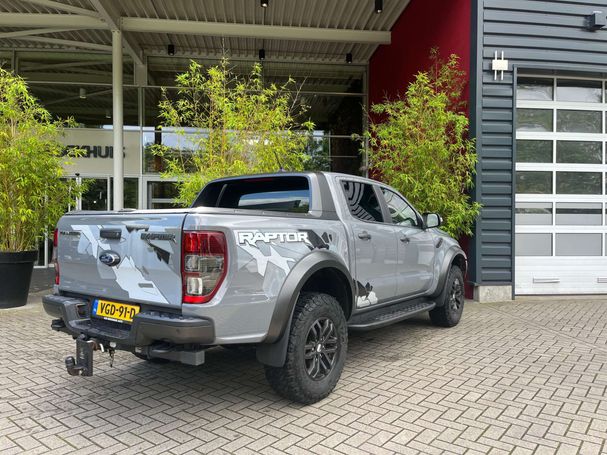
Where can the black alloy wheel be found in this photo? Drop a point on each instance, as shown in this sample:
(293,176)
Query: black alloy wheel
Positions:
(321,348)
(456,295)
(316,351)
(450,303)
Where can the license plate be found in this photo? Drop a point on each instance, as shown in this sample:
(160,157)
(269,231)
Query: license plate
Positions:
(114,311)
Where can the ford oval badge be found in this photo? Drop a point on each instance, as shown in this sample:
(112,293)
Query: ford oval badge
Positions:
(109,258)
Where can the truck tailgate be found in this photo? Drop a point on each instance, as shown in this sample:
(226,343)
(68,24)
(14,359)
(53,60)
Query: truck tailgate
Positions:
(132,256)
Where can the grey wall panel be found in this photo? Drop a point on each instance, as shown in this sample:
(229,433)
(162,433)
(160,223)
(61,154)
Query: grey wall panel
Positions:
(496,188)
(497,213)
(496,276)
(496,225)
(495,176)
(496,262)
(542,36)
(504,115)
(504,250)
(496,151)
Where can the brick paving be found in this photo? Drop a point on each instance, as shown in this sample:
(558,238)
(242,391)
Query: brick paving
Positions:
(521,378)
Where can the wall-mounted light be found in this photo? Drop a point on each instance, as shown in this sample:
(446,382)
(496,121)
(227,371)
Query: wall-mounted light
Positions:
(262,54)
(379,6)
(82,93)
(349,57)
(597,20)
(264,3)
(499,65)
(171,49)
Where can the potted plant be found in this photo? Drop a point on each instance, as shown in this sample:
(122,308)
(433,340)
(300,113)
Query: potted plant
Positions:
(33,190)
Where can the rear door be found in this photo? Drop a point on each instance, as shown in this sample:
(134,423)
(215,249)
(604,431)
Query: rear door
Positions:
(146,248)
(416,250)
(374,242)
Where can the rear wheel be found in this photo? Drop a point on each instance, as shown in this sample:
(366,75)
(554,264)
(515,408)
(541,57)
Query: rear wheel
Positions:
(316,352)
(450,312)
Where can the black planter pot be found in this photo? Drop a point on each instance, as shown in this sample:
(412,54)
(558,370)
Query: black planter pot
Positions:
(15,276)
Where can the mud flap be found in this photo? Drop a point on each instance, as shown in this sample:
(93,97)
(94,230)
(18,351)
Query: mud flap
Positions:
(82,365)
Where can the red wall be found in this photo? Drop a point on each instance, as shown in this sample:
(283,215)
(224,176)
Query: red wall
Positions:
(423,25)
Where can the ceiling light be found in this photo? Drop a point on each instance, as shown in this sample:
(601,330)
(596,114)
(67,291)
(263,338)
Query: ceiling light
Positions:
(171,49)
(108,113)
(379,6)
(82,93)
(262,54)
(264,3)
(349,57)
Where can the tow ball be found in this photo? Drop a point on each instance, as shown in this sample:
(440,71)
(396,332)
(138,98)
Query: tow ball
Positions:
(82,364)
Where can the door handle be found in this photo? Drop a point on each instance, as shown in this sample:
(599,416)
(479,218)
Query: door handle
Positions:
(404,239)
(364,235)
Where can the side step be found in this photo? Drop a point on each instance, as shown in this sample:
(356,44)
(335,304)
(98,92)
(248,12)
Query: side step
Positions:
(390,314)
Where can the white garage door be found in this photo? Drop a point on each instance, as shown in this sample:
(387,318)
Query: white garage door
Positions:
(561,172)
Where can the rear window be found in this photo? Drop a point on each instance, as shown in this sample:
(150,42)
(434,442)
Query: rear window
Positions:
(278,194)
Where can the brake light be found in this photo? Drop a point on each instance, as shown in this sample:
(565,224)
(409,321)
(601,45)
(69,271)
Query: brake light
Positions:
(54,256)
(204,259)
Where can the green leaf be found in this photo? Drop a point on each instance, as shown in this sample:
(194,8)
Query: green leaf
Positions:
(419,144)
(33,191)
(242,126)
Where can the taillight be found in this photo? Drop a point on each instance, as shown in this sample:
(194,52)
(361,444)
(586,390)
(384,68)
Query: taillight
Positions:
(204,260)
(54,256)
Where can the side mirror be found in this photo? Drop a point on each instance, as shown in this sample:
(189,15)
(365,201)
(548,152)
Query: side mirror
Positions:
(432,220)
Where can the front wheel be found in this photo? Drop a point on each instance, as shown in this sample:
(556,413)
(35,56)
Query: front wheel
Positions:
(450,312)
(316,352)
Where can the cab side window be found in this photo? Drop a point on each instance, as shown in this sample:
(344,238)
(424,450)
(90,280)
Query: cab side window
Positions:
(362,202)
(400,212)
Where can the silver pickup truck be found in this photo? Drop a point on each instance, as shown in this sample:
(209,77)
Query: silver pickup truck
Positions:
(284,262)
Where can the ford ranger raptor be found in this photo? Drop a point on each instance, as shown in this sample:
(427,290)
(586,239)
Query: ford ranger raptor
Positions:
(287,263)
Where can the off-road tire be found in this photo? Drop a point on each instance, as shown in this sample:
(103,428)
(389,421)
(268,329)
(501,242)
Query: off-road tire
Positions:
(449,313)
(293,380)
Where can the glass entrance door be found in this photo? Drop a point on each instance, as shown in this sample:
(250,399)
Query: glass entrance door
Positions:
(160,194)
(96,196)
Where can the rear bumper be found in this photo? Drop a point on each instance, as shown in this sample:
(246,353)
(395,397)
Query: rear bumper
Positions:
(147,327)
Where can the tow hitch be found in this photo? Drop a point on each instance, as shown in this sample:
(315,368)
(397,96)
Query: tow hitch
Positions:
(82,365)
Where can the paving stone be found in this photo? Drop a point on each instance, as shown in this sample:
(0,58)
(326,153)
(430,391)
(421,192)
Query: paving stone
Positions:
(516,377)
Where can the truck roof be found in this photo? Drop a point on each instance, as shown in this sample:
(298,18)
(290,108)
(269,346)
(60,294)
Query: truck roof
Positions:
(291,173)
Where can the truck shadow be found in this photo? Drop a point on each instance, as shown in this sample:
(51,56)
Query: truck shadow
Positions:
(233,379)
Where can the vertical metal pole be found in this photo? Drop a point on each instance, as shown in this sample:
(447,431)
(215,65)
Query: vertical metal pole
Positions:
(14,62)
(366,117)
(79,200)
(118,196)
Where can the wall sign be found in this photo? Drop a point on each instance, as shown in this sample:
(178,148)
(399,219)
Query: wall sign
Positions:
(99,151)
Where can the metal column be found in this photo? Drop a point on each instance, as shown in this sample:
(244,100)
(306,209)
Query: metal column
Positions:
(117,120)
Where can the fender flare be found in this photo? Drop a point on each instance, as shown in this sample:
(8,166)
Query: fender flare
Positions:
(450,256)
(273,350)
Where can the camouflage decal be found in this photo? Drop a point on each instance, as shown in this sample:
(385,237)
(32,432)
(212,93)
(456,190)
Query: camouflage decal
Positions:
(318,242)
(126,274)
(149,265)
(365,295)
(273,253)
